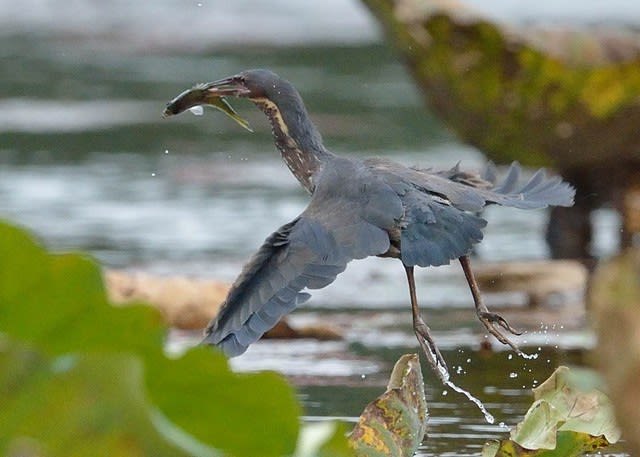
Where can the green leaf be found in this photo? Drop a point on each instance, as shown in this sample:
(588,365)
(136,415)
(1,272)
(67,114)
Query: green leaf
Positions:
(582,411)
(76,405)
(247,414)
(564,420)
(539,427)
(56,306)
(323,439)
(395,423)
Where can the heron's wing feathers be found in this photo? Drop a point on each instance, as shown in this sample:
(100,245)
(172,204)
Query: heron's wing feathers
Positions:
(307,253)
(439,224)
(434,232)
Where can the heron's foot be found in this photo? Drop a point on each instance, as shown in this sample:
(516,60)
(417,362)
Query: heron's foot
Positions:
(493,322)
(430,349)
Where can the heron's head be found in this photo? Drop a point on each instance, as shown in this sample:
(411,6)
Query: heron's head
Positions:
(255,85)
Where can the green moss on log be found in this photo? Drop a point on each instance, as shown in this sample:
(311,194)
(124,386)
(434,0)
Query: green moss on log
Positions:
(537,97)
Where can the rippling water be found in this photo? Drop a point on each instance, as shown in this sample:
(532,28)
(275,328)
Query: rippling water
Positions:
(87,163)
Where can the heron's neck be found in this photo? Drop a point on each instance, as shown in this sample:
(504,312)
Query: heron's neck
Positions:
(297,139)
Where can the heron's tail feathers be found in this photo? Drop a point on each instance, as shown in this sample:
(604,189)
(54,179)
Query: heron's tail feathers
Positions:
(539,191)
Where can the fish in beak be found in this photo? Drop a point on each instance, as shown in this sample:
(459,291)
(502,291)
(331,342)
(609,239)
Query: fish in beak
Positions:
(211,94)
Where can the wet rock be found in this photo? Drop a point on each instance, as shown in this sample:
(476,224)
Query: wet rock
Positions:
(186,303)
(190,303)
(539,280)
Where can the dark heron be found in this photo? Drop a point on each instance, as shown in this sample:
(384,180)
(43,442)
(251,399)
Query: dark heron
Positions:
(359,208)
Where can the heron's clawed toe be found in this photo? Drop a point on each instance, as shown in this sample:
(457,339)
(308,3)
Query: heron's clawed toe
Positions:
(494,318)
(492,321)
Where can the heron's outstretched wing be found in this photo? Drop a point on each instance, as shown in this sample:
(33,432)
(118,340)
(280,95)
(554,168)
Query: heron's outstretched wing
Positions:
(303,254)
(307,253)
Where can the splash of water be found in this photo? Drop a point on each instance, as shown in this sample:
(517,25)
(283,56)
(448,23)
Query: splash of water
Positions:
(524,355)
(487,415)
(445,377)
(440,366)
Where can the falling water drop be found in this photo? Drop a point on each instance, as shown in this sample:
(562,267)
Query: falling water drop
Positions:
(198,110)
(504,427)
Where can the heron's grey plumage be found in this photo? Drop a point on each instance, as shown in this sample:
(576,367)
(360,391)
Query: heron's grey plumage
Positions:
(344,221)
(358,208)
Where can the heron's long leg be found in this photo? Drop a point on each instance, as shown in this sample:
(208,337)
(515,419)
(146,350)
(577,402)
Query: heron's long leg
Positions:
(422,331)
(490,320)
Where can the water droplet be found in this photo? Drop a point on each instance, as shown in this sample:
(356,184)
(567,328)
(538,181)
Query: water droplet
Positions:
(468,360)
(363,376)
(445,392)
(513,374)
(166,151)
(198,110)
(153,174)
(510,356)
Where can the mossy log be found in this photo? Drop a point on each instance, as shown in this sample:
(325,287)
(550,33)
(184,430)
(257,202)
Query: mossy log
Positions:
(562,97)
(615,304)
(552,97)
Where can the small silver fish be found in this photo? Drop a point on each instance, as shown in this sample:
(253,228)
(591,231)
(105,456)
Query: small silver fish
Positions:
(199,95)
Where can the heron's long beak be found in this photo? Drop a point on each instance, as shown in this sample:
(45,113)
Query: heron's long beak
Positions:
(227,87)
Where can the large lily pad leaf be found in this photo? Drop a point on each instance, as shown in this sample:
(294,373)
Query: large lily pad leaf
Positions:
(77,405)
(55,305)
(564,420)
(589,412)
